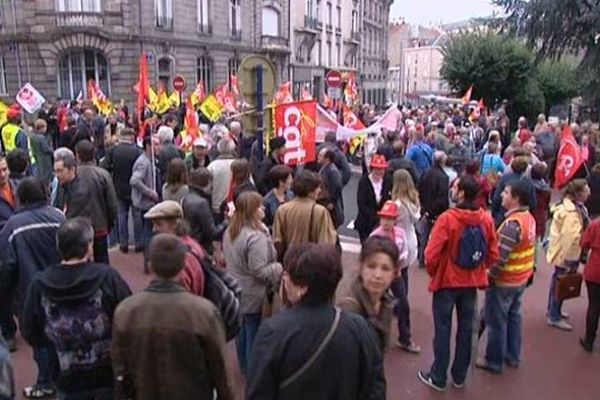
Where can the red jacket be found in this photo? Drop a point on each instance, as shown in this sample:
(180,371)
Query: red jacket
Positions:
(442,250)
(591,241)
(191,276)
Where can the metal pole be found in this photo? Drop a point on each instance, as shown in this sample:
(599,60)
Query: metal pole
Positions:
(259,111)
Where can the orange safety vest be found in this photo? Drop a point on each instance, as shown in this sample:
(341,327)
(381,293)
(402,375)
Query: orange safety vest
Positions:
(521,260)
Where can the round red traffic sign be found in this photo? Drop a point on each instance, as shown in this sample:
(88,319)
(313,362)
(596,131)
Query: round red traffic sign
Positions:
(179,83)
(333,79)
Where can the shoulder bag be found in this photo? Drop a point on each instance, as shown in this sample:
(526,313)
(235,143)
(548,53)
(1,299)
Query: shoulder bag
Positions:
(294,377)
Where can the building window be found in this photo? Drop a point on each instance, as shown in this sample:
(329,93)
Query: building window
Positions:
(310,12)
(338,50)
(78,6)
(3,89)
(77,68)
(338,13)
(203,24)
(329,15)
(233,66)
(204,73)
(235,18)
(319,17)
(319,52)
(165,71)
(328,60)
(270,22)
(164,14)
(354,21)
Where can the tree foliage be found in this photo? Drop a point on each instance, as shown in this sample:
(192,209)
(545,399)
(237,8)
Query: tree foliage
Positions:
(496,66)
(558,80)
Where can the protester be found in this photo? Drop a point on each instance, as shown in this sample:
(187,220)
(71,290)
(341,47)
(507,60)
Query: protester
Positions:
(458,154)
(18,165)
(331,186)
(8,199)
(543,194)
(7,376)
(313,328)
(341,161)
(420,152)
(518,168)
(12,134)
(486,189)
(434,195)
(593,203)
(70,306)
(119,162)
(406,197)
(198,157)
(591,242)
(220,168)
(399,161)
(282,177)
(166,325)
(570,218)
(240,180)
(251,258)
(167,217)
(508,280)
(68,135)
(42,151)
(462,245)
(168,150)
(302,220)
(277,151)
(176,184)
(373,191)
(87,191)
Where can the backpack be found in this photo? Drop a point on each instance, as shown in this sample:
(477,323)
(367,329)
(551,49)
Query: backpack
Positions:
(221,289)
(472,249)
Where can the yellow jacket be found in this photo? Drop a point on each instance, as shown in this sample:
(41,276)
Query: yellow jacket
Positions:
(566,230)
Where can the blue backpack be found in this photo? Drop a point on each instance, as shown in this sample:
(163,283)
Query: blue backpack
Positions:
(472,250)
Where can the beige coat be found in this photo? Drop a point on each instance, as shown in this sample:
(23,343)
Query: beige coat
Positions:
(566,230)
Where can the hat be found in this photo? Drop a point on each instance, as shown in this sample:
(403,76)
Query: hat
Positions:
(165,209)
(378,162)
(276,143)
(13,112)
(389,210)
(200,142)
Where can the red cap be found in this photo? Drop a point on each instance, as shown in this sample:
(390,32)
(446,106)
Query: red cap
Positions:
(378,162)
(389,210)
(13,112)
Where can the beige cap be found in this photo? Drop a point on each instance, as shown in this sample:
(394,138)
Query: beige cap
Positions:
(165,209)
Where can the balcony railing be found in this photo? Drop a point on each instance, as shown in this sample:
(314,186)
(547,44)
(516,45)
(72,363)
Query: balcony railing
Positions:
(310,22)
(85,19)
(164,23)
(274,42)
(355,36)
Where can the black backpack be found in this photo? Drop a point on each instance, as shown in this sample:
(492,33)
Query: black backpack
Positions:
(472,248)
(223,291)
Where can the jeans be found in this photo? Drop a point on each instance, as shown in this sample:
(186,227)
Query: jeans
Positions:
(593,311)
(101,249)
(8,325)
(113,236)
(399,288)
(245,339)
(423,232)
(444,301)
(47,364)
(123,224)
(555,306)
(504,322)
(146,236)
(94,394)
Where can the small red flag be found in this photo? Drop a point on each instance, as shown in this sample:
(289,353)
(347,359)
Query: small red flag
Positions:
(569,158)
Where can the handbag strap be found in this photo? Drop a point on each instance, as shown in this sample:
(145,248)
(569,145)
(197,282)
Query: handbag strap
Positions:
(310,223)
(316,354)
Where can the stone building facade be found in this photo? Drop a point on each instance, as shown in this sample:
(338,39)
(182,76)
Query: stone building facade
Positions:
(58,45)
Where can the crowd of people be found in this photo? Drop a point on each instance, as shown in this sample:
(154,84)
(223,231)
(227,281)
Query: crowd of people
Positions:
(242,247)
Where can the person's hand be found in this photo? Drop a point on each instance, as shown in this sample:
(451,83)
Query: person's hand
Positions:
(154,196)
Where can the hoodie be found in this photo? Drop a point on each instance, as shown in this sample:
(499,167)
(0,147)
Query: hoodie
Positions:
(71,308)
(442,249)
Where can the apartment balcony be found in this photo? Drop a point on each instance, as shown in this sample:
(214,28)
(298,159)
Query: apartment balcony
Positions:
(310,22)
(165,23)
(275,43)
(79,19)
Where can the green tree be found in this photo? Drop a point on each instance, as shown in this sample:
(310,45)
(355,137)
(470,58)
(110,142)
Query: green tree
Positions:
(557,27)
(499,68)
(559,81)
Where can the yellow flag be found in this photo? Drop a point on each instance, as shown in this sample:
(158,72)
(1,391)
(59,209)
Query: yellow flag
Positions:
(211,108)
(174,99)
(3,111)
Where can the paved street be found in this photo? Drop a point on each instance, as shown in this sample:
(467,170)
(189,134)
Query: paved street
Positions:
(554,366)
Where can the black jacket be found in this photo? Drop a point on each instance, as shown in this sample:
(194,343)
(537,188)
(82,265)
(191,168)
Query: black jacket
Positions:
(119,162)
(497,210)
(72,308)
(593,203)
(367,219)
(434,192)
(331,184)
(400,162)
(262,177)
(341,161)
(286,341)
(198,212)
(168,152)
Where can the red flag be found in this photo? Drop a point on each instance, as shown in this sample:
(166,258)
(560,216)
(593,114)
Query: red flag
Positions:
(284,93)
(305,94)
(351,91)
(191,126)
(327,102)
(569,158)
(467,96)
(235,86)
(297,123)
(143,88)
(351,120)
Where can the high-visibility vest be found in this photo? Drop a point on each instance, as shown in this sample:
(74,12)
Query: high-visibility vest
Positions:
(9,136)
(521,260)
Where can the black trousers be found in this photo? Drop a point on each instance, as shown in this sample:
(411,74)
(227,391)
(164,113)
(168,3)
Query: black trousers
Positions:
(101,249)
(8,325)
(593,311)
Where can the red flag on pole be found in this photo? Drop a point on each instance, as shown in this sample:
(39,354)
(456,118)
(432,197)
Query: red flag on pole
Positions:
(467,96)
(569,158)
(143,88)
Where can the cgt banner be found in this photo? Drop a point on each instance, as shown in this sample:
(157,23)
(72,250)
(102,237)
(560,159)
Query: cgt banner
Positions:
(297,123)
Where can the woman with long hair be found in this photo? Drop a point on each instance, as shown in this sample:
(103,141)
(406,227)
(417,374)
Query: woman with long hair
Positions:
(176,186)
(570,218)
(252,260)
(406,196)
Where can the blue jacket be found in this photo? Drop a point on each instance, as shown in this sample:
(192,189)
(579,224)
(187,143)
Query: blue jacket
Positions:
(422,155)
(28,243)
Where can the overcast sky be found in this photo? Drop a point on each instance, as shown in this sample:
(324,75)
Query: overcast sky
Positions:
(434,11)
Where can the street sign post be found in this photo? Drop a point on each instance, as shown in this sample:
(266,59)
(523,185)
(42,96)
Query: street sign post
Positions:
(179,85)
(333,79)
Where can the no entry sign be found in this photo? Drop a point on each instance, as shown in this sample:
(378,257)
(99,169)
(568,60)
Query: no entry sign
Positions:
(179,83)
(333,79)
